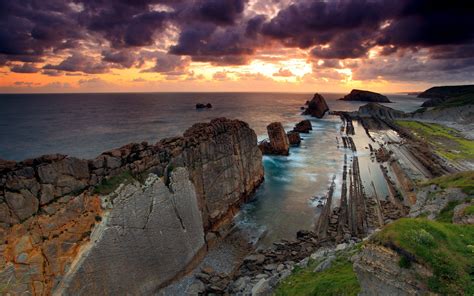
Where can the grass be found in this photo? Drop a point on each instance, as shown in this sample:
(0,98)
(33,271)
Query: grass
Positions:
(339,279)
(108,186)
(446,214)
(447,142)
(463,180)
(445,248)
(469,210)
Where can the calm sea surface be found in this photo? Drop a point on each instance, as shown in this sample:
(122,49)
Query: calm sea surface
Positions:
(84,125)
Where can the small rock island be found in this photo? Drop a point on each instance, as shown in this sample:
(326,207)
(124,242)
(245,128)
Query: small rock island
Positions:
(203,106)
(365,96)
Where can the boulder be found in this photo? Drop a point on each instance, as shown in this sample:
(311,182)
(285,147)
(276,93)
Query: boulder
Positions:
(279,143)
(365,96)
(294,138)
(303,126)
(317,107)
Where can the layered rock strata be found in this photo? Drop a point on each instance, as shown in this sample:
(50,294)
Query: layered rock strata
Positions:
(49,208)
(317,107)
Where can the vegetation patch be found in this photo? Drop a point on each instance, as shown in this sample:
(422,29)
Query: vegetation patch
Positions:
(463,180)
(446,142)
(458,101)
(443,247)
(446,214)
(469,210)
(339,279)
(109,185)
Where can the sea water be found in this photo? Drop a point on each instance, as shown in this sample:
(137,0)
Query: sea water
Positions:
(84,125)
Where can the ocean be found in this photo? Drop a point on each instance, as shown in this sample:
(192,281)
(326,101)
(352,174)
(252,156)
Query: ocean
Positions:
(84,125)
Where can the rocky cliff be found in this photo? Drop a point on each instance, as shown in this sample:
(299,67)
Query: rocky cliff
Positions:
(365,96)
(50,205)
(317,107)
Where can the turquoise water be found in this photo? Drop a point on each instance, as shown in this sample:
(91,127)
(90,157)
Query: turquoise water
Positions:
(84,125)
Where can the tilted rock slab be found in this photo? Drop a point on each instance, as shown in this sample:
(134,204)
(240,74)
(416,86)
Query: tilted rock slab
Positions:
(151,234)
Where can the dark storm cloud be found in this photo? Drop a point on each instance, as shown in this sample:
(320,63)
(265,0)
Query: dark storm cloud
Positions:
(78,62)
(25,68)
(227,31)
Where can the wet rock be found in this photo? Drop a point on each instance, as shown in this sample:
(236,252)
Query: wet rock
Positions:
(294,138)
(278,140)
(303,126)
(317,107)
(203,106)
(366,96)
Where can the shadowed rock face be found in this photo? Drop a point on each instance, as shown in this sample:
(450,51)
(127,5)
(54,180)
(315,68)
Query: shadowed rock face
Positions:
(149,235)
(294,138)
(278,140)
(317,107)
(365,96)
(41,203)
(303,126)
(377,110)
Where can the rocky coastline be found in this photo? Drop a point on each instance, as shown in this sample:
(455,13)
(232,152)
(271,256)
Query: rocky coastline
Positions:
(59,218)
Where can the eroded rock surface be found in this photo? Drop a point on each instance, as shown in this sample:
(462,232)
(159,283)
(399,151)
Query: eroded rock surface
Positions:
(278,143)
(379,273)
(317,107)
(151,234)
(48,207)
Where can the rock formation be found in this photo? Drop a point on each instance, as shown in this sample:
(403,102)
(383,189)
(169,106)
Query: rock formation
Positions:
(303,126)
(294,138)
(365,96)
(278,143)
(48,210)
(379,273)
(439,94)
(317,107)
(203,106)
(381,111)
(151,234)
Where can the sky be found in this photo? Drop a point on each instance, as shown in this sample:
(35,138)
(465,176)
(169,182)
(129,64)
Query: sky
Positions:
(234,45)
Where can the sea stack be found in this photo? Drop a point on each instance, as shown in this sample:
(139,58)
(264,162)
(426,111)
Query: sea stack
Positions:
(294,138)
(303,126)
(278,140)
(317,107)
(365,96)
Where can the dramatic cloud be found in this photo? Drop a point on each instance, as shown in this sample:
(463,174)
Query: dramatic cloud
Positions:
(94,37)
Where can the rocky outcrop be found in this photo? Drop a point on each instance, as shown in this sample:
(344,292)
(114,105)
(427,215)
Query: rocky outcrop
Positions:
(430,200)
(377,110)
(154,229)
(365,96)
(203,106)
(439,94)
(317,107)
(303,126)
(294,138)
(379,273)
(222,156)
(50,202)
(461,214)
(278,143)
